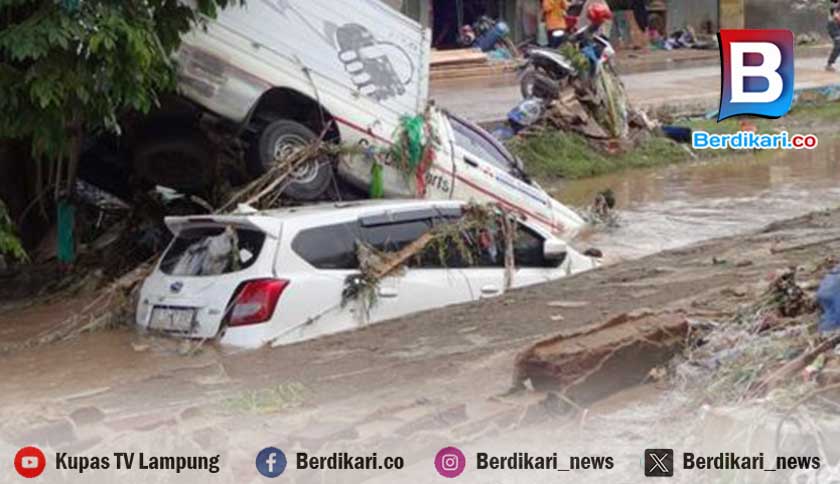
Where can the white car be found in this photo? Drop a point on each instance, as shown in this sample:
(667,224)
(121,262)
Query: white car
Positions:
(278,277)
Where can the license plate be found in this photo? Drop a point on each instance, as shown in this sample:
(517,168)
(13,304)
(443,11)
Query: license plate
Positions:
(172,319)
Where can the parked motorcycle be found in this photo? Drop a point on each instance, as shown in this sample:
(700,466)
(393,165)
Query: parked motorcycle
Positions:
(553,67)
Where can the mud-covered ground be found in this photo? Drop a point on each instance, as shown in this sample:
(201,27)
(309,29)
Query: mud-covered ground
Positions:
(406,386)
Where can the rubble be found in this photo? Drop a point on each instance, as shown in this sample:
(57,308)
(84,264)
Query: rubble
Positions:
(770,349)
(594,362)
(593,105)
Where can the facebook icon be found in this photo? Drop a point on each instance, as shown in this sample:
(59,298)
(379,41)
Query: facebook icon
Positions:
(271,462)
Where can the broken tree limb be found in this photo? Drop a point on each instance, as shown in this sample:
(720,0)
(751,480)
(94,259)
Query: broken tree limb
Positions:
(272,180)
(793,367)
(397,260)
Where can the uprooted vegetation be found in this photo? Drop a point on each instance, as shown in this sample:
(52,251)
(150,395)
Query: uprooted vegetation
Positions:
(771,349)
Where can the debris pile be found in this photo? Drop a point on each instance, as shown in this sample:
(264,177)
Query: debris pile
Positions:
(592,103)
(266,191)
(602,212)
(772,349)
(120,241)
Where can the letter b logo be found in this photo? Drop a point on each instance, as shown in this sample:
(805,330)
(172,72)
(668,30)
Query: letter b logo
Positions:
(758,74)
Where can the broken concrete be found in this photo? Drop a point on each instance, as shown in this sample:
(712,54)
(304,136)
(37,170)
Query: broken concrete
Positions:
(596,361)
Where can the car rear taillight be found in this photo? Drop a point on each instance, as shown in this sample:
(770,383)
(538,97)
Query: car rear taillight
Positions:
(255,302)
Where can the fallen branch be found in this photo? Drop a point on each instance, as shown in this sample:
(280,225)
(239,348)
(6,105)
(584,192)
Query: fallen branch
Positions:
(793,367)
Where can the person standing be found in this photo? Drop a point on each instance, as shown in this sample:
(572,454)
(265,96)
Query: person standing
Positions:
(834,33)
(642,18)
(555,19)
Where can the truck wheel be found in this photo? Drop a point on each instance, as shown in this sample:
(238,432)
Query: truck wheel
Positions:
(281,138)
(184,161)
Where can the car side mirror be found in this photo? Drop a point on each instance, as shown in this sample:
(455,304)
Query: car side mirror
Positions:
(555,250)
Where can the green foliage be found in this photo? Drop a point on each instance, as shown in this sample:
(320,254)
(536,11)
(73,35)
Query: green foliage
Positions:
(555,154)
(9,243)
(578,60)
(77,66)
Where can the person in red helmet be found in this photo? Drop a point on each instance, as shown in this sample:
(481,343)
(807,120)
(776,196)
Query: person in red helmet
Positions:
(598,14)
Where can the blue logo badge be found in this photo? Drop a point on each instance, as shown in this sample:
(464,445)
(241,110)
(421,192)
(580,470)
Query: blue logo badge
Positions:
(758,73)
(271,462)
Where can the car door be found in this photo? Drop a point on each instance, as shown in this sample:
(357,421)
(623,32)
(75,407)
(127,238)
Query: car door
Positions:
(487,276)
(486,171)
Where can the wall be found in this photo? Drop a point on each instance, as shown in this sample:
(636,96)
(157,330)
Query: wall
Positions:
(694,13)
(732,14)
(800,16)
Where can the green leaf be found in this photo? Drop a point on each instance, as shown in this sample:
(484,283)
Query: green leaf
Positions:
(100,58)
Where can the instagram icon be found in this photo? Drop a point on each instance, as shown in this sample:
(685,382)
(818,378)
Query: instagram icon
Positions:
(450,462)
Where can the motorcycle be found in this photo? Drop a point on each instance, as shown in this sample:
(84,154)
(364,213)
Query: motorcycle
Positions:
(552,67)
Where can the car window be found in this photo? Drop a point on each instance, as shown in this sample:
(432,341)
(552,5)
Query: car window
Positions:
(395,237)
(529,249)
(332,247)
(212,251)
(471,140)
(485,248)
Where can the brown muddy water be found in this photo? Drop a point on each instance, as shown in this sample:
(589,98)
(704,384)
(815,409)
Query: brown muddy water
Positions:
(675,206)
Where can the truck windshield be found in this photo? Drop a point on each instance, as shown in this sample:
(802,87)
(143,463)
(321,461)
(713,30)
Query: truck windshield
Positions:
(212,251)
(482,144)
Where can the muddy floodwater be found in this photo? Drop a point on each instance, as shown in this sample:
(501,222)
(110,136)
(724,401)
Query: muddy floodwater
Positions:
(667,208)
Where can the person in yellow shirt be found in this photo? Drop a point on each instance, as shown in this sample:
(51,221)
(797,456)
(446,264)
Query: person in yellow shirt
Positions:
(555,18)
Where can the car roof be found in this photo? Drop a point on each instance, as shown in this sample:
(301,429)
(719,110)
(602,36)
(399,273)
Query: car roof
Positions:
(354,209)
(323,214)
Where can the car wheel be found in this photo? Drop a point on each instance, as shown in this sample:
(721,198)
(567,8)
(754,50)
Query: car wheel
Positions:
(280,139)
(183,161)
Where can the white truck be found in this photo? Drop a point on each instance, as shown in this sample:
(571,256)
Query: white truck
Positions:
(281,73)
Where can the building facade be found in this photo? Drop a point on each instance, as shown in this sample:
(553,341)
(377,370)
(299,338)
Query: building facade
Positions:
(706,16)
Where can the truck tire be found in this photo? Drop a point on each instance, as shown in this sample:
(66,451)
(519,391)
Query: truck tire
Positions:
(183,160)
(311,180)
